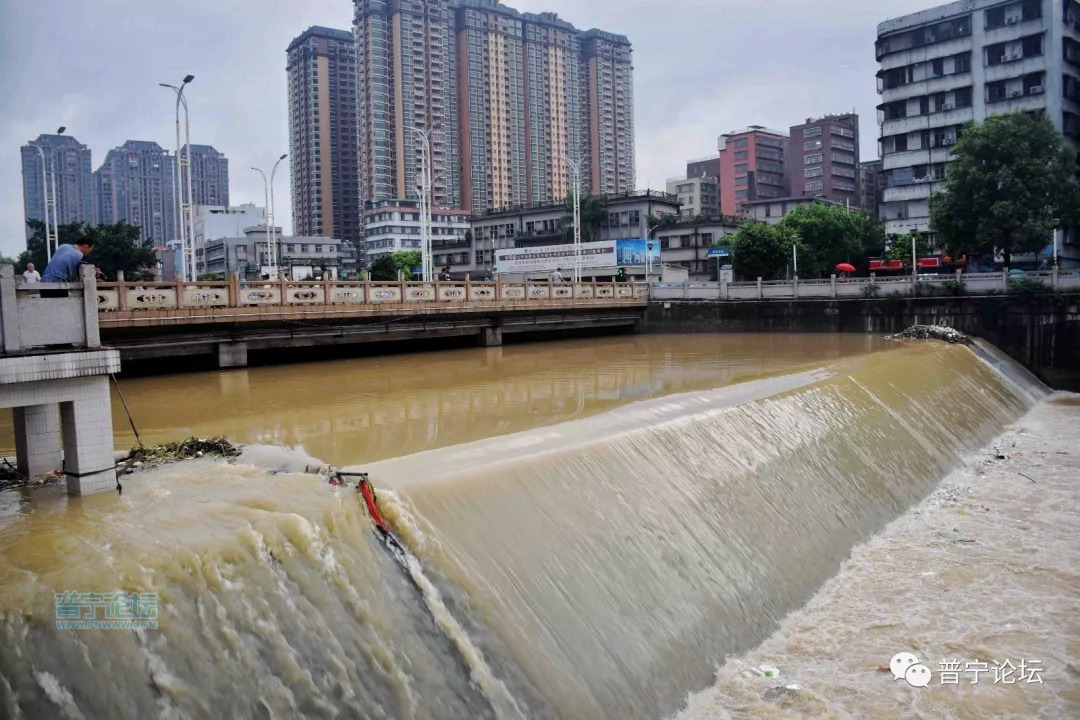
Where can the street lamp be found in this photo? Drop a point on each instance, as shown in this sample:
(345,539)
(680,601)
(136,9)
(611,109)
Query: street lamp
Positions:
(575,166)
(45,200)
(273,221)
(266,195)
(55,197)
(187,249)
(425,200)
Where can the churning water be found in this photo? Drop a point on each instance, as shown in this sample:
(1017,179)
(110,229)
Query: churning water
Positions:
(600,566)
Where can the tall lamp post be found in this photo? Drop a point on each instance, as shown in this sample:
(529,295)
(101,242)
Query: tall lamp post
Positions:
(425,200)
(55,197)
(575,166)
(273,221)
(266,195)
(45,200)
(187,249)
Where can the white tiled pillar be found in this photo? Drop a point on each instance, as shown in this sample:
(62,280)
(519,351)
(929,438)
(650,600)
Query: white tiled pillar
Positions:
(37,439)
(88,439)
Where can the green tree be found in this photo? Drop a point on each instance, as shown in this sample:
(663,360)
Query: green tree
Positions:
(1011,181)
(407,261)
(762,250)
(593,215)
(832,234)
(116,247)
(900,247)
(383,269)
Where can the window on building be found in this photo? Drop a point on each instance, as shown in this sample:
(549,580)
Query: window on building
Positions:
(813,172)
(742,194)
(812,145)
(814,185)
(812,159)
(812,132)
(741,168)
(741,181)
(741,155)
(741,143)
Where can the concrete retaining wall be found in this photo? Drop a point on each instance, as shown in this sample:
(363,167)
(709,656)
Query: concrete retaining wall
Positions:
(1043,333)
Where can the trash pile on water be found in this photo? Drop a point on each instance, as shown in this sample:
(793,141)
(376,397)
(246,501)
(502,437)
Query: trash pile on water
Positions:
(934,332)
(145,457)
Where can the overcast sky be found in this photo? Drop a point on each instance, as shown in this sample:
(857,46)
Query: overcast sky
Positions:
(702,67)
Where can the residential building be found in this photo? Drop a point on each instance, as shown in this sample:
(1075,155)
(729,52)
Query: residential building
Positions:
(703,167)
(136,184)
(823,158)
(697,195)
(216,222)
(607,81)
(406,79)
(962,62)
(394,225)
(209,176)
(322,79)
(687,244)
(69,159)
(773,210)
(300,257)
(752,167)
(518,105)
(550,223)
(870,188)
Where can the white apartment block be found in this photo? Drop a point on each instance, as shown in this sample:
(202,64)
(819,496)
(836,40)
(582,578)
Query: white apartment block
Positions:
(697,195)
(394,225)
(966,61)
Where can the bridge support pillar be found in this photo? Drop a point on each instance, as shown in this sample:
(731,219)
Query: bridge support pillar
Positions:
(234,354)
(88,438)
(37,439)
(491,337)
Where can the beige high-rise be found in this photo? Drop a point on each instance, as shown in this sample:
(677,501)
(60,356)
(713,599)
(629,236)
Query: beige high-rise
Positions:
(322,134)
(608,96)
(406,60)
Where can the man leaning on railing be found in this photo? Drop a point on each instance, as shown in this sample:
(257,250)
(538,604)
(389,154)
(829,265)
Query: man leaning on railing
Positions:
(64,266)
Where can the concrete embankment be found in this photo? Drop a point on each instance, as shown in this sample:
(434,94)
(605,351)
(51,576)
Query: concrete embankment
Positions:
(979,579)
(1042,332)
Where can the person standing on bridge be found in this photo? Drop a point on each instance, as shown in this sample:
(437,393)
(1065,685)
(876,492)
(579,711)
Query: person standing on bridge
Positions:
(31,275)
(64,266)
(556,277)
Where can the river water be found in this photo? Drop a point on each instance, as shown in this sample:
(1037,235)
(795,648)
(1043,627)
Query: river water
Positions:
(591,526)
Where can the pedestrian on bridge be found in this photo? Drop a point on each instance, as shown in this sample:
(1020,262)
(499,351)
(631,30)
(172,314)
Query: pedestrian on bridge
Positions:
(64,266)
(556,277)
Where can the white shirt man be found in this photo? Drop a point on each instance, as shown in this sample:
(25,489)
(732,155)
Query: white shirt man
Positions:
(31,275)
(556,277)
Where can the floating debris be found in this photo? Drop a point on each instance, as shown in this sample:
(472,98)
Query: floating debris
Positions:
(935,332)
(192,447)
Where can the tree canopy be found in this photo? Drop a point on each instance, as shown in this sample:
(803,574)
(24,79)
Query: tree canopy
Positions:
(385,267)
(116,247)
(1011,181)
(762,250)
(832,234)
(593,215)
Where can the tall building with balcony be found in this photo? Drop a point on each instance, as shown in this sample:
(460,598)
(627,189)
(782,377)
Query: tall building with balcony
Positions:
(405,80)
(322,78)
(823,158)
(607,82)
(394,225)
(209,176)
(962,62)
(752,167)
(518,105)
(70,160)
(137,184)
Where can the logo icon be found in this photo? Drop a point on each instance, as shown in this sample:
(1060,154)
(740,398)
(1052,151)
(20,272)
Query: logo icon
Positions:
(906,666)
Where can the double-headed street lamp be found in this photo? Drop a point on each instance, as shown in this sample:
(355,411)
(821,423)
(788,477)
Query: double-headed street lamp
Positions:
(187,246)
(425,200)
(271,230)
(55,236)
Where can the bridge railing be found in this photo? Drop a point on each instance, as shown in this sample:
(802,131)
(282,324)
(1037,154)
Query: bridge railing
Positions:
(42,315)
(235,293)
(836,287)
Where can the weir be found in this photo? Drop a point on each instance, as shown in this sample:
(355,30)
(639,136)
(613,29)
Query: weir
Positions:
(599,567)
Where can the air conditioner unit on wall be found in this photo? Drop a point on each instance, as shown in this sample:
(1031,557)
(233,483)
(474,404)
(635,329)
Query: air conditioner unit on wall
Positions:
(1035,90)
(1015,93)
(1012,20)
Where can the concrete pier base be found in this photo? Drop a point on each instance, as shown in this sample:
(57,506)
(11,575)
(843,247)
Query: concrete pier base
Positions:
(232,355)
(37,439)
(491,337)
(61,401)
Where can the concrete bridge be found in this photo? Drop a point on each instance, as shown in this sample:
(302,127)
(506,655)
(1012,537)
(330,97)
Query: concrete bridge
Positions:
(54,376)
(227,319)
